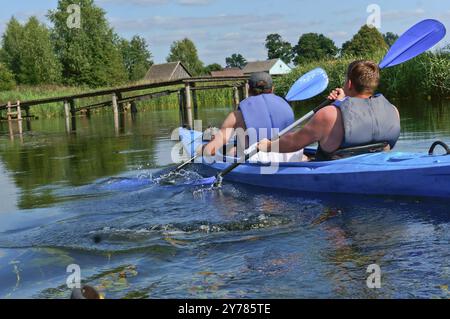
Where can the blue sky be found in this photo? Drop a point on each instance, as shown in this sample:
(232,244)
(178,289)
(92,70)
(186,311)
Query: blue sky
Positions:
(222,27)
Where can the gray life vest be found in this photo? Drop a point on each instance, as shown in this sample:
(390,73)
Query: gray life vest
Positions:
(369,121)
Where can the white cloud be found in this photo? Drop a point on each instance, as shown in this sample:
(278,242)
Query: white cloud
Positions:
(194,2)
(136,2)
(159,2)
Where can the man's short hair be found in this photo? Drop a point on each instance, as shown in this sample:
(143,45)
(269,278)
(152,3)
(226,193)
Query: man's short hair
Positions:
(260,83)
(365,76)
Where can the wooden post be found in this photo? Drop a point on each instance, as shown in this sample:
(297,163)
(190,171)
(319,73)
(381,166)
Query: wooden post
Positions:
(73,112)
(134,108)
(188,102)
(8,114)
(194,98)
(27,112)
(28,118)
(236,97)
(246,90)
(119,97)
(116,113)
(19,118)
(67,115)
(181,106)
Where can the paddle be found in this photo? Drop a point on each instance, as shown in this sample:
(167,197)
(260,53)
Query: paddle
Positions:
(305,88)
(415,41)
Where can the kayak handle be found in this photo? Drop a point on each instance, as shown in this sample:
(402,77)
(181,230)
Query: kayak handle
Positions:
(439,143)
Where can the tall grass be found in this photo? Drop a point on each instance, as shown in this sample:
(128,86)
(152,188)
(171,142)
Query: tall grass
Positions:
(426,76)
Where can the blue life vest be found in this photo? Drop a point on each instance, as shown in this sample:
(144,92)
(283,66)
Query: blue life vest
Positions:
(266,111)
(369,121)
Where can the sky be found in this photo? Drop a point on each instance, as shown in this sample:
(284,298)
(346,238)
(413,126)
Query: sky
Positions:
(220,28)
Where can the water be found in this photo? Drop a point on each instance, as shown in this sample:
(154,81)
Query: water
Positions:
(65,200)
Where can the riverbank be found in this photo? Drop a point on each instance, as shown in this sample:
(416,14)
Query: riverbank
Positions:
(426,77)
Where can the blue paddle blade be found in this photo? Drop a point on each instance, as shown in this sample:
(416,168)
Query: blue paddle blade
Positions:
(309,85)
(421,37)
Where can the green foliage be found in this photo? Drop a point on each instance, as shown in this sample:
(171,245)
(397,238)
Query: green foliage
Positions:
(390,38)
(136,57)
(426,76)
(11,46)
(278,48)
(89,54)
(363,44)
(28,53)
(211,68)
(38,62)
(186,52)
(236,60)
(314,47)
(7,81)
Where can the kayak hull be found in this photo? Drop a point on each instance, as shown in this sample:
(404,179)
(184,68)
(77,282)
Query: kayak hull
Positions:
(393,173)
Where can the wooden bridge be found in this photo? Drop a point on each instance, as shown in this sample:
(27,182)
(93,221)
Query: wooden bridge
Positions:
(186,90)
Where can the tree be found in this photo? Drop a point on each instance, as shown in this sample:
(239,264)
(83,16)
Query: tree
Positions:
(314,47)
(365,43)
(278,48)
(7,81)
(89,54)
(212,67)
(186,52)
(136,57)
(390,38)
(28,52)
(38,61)
(236,60)
(11,40)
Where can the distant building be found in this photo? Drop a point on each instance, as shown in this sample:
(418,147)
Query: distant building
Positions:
(230,72)
(273,67)
(167,72)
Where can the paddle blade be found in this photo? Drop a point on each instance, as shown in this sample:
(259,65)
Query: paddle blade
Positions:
(309,85)
(421,37)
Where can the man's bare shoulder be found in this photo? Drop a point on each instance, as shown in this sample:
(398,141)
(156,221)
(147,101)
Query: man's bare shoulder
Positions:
(328,114)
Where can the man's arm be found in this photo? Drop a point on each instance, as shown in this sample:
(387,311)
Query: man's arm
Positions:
(314,131)
(233,121)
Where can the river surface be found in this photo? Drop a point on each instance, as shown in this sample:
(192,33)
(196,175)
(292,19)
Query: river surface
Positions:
(65,200)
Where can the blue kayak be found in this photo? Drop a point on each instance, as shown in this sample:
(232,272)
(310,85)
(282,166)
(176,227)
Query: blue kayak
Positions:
(386,173)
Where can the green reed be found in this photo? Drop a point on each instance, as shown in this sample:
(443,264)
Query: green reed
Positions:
(426,76)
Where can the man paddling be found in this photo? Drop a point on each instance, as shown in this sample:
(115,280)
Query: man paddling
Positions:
(356,118)
(261,115)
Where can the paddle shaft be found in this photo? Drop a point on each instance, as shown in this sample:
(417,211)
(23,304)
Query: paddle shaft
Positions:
(254,148)
(186,163)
